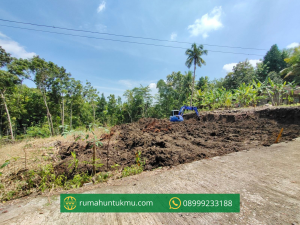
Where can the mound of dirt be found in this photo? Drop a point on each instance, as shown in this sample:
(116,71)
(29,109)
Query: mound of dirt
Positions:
(84,156)
(163,143)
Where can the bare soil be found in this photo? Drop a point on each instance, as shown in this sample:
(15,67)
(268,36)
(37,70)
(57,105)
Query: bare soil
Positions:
(163,143)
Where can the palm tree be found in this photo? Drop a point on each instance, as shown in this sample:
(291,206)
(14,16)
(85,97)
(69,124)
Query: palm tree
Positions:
(194,57)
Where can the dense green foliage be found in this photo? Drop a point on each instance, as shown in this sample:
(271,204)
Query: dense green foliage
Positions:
(58,100)
(274,59)
(293,69)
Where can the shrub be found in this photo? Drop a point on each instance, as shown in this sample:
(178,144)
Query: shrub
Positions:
(134,169)
(38,132)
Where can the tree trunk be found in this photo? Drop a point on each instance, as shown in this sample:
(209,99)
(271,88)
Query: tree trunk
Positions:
(94,114)
(94,159)
(1,123)
(8,116)
(49,124)
(48,114)
(63,114)
(60,106)
(193,84)
(71,118)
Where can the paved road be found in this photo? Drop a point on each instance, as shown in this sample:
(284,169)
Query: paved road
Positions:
(268,180)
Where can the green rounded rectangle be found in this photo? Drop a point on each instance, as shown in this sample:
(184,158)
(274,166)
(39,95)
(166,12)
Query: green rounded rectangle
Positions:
(150,203)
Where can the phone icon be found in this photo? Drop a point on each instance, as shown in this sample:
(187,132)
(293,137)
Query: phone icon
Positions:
(173,204)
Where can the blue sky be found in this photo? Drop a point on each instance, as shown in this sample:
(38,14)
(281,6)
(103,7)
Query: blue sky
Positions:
(113,67)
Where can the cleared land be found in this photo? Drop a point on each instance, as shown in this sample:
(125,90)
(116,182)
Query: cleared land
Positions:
(266,177)
(163,143)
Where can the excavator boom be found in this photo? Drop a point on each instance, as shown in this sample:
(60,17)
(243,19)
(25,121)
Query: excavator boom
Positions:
(179,117)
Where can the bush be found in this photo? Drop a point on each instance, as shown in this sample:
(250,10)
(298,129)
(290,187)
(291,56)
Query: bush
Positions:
(38,132)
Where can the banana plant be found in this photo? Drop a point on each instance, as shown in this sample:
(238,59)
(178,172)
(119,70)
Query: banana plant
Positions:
(228,96)
(290,93)
(256,93)
(281,90)
(242,94)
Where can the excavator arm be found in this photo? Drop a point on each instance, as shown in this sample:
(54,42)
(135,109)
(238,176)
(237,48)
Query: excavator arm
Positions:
(188,108)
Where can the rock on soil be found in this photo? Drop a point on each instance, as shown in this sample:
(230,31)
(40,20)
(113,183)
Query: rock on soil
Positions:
(163,143)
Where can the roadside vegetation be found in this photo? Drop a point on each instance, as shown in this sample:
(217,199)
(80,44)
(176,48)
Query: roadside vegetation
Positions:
(34,171)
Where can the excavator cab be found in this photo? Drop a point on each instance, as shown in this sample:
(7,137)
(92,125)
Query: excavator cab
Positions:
(175,117)
(175,112)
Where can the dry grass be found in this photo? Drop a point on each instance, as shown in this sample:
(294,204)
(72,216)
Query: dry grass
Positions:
(40,154)
(38,151)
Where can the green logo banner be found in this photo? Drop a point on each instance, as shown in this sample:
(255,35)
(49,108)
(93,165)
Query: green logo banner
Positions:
(150,203)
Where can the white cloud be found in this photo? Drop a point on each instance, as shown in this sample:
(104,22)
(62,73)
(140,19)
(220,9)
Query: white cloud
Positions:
(207,23)
(229,67)
(293,45)
(253,62)
(205,35)
(3,35)
(14,48)
(173,36)
(101,7)
(152,86)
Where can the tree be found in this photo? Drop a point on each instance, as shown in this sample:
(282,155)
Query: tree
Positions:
(62,85)
(74,89)
(111,109)
(261,71)
(166,97)
(243,72)
(91,95)
(42,72)
(194,57)
(129,106)
(7,81)
(275,77)
(293,69)
(203,81)
(5,57)
(101,105)
(186,88)
(274,59)
(138,102)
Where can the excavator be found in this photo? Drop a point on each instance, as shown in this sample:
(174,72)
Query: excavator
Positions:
(177,115)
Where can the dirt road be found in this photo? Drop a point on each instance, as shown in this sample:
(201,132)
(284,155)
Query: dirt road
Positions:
(267,178)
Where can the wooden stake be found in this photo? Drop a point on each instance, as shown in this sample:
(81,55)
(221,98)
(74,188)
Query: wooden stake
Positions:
(94,158)
(279,135)
(107,151)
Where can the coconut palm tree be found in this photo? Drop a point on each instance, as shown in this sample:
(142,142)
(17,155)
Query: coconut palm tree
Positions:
(194,57)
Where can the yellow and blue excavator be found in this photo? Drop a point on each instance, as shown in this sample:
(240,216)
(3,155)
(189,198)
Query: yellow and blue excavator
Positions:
(177,115)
